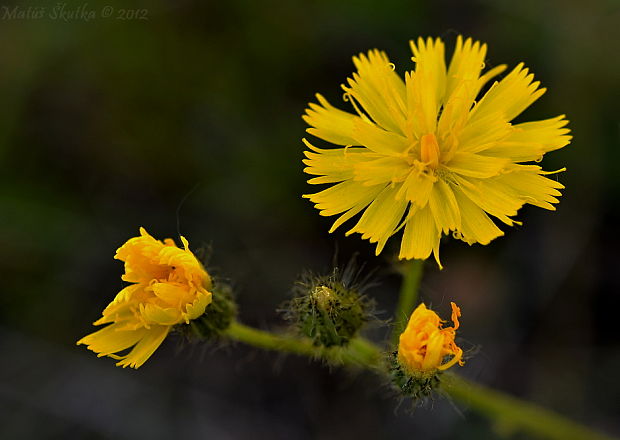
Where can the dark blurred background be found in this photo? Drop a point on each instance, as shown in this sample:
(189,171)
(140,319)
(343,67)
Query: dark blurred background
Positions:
(190,121)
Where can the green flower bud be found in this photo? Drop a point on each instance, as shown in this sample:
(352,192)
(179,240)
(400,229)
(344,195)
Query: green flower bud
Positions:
(331,309)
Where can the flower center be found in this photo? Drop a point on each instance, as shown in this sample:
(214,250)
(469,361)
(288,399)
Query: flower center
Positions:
(429,150)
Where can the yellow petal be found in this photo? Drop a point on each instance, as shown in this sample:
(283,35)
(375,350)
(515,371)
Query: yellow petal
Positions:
(427,85)
(530,140)
(343,196)
(140,254)
(154,314)
(171,293)
(454,113)
(379,140)
(417,188)
(183,261)
(381,218)
(510,96)
(533,188)
(420,236)
(330,123)
(476,226)
(422,313)
(145,348)
(456,358)
(476,165)
(145,245)
(121,307)
(434,351)
(356,209)
(465,67)
(334,164)
(384,170)
(484,133)
(444,208)
(379,90)
(197,308)
(128,293)
(110,340)
(495,198)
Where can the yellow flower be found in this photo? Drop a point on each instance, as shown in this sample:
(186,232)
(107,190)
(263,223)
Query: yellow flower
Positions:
(425,343)
(422,154)
(170,287)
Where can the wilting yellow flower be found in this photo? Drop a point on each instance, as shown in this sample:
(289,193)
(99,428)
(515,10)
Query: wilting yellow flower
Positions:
(423,154)
(424,344)
(170,287)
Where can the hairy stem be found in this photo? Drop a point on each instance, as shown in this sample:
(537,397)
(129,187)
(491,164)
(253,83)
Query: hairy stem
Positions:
(358,352)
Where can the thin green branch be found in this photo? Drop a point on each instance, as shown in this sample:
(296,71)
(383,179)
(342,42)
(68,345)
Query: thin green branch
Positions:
(514,414)
(358,352)
(411,271)
(270,341)
(507,410)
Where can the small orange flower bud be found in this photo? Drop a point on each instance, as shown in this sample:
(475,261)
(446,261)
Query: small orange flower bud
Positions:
(425,343)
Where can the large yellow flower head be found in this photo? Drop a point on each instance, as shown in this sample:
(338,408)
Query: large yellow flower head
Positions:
(425,342)
(170,286)
(422,154)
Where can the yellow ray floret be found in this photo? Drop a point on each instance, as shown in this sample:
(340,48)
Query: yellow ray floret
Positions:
(170,287)
(426,345)
(422,155)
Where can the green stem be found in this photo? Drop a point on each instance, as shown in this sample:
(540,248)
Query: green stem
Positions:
(412,275)
(511,413)
(507,410)
(269,341)
(358,352)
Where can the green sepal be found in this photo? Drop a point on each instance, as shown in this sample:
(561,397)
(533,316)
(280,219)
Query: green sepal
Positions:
(417,386)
